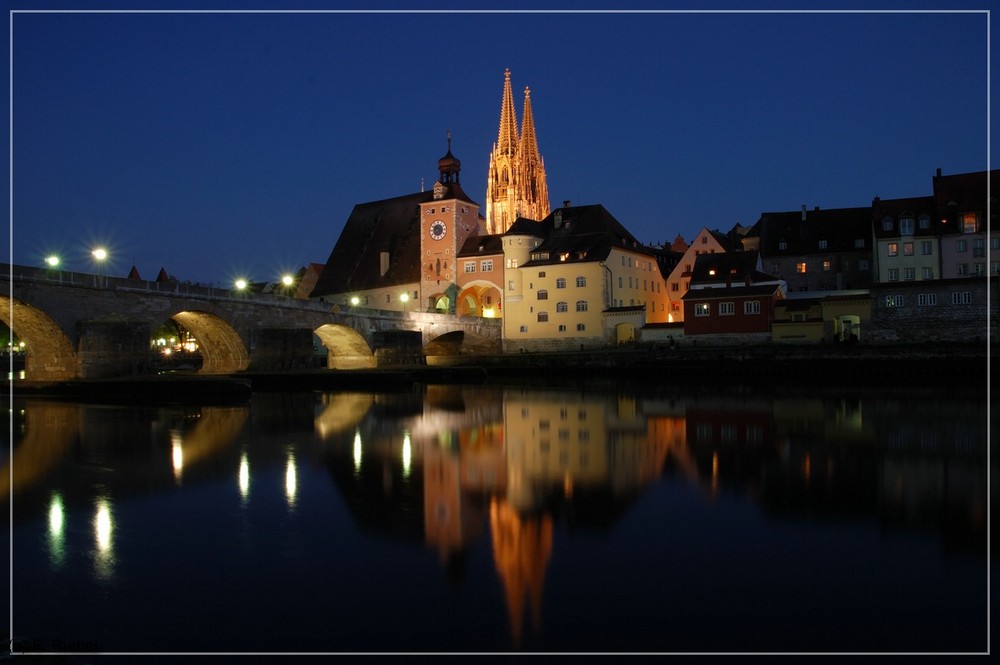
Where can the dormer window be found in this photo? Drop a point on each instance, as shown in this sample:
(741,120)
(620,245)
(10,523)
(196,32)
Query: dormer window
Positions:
(924,222)
(822,244)
(782,245)
(906,226)
(887,223)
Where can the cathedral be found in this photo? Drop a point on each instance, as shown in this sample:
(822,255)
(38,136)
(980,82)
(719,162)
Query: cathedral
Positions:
(515,185)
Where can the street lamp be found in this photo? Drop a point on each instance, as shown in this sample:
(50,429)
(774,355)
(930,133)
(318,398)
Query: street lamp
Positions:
(403,298)
(100,255)
(355,301)
(287,281)
(241,284)
(52,261)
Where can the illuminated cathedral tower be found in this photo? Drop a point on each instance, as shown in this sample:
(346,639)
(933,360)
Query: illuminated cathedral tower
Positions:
(515,185)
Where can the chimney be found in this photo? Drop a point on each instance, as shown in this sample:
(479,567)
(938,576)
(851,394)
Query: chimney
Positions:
(567,203)
(939,172)
(803,212)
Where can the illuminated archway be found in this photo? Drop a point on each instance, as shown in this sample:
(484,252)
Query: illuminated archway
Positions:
(624,333)
(222,350)
(440,302)
(49,353)
(346,348)
(479,299)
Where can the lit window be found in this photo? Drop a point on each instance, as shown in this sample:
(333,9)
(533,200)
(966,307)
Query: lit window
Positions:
(727,309)
(827,265)
(800,267)
(893,248)
(907,249)
(894,301)
(751,307)
(701,309)
(969,224)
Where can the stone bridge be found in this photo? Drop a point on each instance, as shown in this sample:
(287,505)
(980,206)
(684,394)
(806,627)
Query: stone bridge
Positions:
(79,325)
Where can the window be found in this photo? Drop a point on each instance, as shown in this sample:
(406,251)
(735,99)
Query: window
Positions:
(782,245)
(887,223)
(926,249)
(924,222)
(619,282)
(581,327)
(510,285)
(961,245)
(978,248)
(894,301)
(859,243)
(962,269)
(511,263)
(470,266)
(704,240)
(581,305)
(822,244)
(800,267)
(560,283)
(701,309)
(751,307)
(969,223)
(994,243)
(909,274)
(562,327)
(980,269)
(893,274)
(927,273)
(906,226)
(893,248)
(543,317)
(543,294)
(487,265)
(994,267)
(541,274)
(827,265)
(961,298)
(907,249)
(581,281)
(726,309)
(524,329)
(674,287)
(926,299)
(562,307)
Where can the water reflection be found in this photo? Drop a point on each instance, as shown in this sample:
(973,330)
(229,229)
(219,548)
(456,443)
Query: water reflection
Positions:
(452,469)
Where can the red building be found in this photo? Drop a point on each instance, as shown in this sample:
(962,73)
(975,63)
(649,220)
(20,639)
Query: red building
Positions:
(730,295)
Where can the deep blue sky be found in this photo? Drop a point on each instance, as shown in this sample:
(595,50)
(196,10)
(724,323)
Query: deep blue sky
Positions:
(222,144)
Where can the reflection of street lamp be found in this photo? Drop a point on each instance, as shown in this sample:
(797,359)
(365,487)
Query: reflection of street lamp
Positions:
(403,298)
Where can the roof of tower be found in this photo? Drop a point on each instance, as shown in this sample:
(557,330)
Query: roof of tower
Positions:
(449,165)
(527,149)
(507,136)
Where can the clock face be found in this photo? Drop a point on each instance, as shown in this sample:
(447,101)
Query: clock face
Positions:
(438,229)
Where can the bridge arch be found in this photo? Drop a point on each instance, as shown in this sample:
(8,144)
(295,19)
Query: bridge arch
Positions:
(222,349)
(49,352)
(346,348)
(458,343)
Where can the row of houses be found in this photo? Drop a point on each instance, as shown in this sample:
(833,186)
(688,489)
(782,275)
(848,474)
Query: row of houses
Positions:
(913,268)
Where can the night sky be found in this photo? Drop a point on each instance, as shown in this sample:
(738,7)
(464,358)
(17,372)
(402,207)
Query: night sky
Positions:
(236,144)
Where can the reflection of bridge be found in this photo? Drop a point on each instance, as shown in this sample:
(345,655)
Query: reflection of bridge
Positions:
(83,325)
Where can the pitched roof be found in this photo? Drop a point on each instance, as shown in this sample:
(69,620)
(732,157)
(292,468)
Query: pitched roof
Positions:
(721,267)
(134,273)
(788,234)
(485,244)
(733,292)
(581,233)
(390,225)
(912,207)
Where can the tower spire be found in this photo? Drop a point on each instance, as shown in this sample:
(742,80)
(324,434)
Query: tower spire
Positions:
(533,193)
(507,136)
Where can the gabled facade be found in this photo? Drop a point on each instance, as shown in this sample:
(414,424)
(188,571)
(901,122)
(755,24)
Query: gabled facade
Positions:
(816,250)
(908,238)
(679,278)
(480,277)
(966,245)
(730,295)
(577,279)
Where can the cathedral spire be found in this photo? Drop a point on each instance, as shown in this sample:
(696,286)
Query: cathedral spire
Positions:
(527,147)
(507,136)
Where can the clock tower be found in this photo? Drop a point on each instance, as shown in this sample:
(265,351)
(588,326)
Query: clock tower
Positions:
(446,221)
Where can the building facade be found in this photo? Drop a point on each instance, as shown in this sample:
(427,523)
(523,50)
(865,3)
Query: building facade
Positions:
(516,184)
(679,278)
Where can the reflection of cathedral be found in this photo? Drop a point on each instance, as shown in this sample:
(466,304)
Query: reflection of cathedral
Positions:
(515,184)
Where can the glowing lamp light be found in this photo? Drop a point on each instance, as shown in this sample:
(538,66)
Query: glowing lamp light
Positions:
(287,280)
(100,253)
(488,313)
(355,301)
(241,284)
(404,297)
(52,261)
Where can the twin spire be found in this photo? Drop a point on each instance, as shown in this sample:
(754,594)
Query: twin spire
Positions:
(516,185)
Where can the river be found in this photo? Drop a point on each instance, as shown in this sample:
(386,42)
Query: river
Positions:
(501,519)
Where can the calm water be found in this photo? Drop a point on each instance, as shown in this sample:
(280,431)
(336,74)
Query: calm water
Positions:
(491,519)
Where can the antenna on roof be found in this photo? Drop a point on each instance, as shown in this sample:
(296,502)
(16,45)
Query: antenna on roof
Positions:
(421,183)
